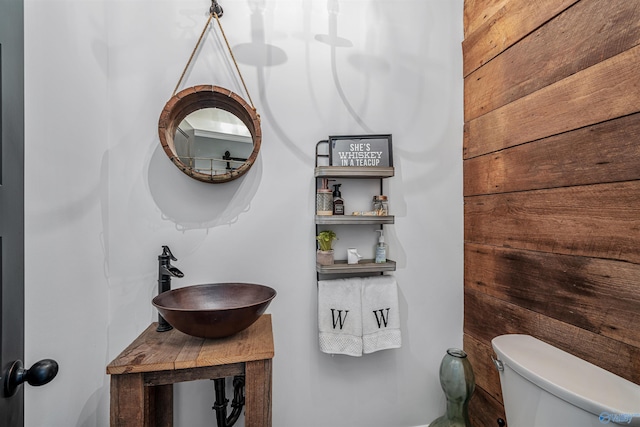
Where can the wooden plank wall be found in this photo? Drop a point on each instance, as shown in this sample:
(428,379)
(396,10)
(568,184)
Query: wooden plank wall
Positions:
(551,183)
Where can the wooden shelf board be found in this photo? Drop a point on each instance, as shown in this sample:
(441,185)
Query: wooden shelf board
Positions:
(364,266)
(354,219)
(353,172)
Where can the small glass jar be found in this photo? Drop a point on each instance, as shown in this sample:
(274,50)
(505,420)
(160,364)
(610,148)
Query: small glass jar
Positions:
(324,202)
(381,205)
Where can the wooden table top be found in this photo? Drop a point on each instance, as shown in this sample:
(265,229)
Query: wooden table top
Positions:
(166,351)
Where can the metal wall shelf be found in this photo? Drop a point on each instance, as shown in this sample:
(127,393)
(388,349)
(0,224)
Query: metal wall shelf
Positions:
(353,219)
(364,266)
(353,172)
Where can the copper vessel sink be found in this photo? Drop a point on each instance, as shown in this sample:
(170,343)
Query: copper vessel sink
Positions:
(214,310)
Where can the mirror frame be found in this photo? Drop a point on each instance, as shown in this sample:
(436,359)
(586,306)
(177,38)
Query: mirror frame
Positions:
(207,96)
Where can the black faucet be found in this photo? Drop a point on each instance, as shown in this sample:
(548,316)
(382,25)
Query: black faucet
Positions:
(165,272)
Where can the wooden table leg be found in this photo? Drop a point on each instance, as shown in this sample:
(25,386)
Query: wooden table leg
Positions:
(258,393)
(127,401)
(159,405)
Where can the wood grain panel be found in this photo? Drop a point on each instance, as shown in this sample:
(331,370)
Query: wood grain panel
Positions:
(477,12)
(253,343)
(606,152)
(595,220)
(161,378)
(157,400)
(487,376)
(513,21)
(151,354)
(551,183)
(484,410)
(171,350)
(258,400)
(553,52)
(127,401)
(487,317)
(602,296)
(605,91)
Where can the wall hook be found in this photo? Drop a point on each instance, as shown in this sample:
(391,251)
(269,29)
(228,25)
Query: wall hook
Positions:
(216,9)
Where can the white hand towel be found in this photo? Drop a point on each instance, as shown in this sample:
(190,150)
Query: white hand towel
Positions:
(340,316)
(380,314)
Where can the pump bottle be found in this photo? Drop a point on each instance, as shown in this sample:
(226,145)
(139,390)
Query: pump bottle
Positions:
(381,249)
(338,202)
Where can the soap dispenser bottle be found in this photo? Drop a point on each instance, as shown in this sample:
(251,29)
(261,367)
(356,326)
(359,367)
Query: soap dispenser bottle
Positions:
(381,249)
(338,203)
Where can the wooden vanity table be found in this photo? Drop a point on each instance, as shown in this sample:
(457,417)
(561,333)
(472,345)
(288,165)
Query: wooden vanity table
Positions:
(142,376)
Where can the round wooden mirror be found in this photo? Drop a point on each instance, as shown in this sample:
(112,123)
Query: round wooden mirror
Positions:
(210,133)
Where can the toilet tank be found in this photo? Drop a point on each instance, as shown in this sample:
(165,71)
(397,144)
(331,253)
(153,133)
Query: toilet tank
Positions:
(543,386)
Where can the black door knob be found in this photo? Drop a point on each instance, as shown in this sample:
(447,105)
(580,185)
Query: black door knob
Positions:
(40,373)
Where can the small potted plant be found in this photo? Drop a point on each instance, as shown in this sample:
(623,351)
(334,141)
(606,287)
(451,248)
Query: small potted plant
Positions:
(325,239)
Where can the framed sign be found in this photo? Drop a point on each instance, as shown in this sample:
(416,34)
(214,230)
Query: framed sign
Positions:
(361,150)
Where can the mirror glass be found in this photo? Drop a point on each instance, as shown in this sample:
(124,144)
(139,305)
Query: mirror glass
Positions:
(210,133)
(212,141)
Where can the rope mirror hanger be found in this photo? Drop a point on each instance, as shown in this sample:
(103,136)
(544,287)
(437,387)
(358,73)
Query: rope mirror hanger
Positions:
(210,133)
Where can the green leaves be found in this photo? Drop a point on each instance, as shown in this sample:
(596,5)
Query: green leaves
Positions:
(325,239)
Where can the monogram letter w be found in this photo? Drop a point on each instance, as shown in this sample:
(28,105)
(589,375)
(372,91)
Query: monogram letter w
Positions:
(382,319)
(340,320)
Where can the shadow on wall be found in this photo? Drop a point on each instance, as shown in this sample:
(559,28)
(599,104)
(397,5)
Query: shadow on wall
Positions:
(262,55)
(95,408)
(194,205)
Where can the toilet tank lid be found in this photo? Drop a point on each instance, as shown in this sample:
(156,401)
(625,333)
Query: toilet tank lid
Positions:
(568,377)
